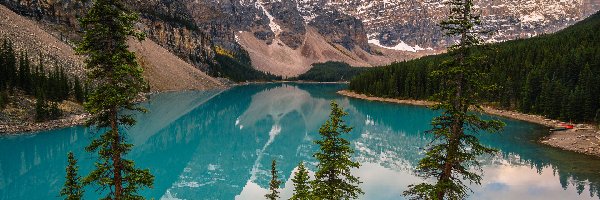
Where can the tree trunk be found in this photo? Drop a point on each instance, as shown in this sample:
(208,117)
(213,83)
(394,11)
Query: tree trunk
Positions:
(116,155)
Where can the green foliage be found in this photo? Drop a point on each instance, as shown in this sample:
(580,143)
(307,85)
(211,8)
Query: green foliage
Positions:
(3,99)
(455,150)
(598,117)
(45,110)
(302,189)
(55,86)
(78,91)
(238,68)
(333,179)
(118,79)
(556,75)
(8,65)
(72,190)
(330,72)
(24,74)
(274,183)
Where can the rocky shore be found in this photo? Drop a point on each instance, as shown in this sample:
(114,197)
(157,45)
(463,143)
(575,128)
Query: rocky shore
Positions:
(584,138)
(28,127)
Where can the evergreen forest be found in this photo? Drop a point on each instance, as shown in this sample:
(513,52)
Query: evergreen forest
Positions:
(19,73)
(555,75)
(330,72)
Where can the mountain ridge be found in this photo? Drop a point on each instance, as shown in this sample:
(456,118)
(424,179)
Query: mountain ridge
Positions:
(364,33)
(29,37)
(555,75)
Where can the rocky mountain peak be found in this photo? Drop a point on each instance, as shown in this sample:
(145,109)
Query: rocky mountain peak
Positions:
(301,32)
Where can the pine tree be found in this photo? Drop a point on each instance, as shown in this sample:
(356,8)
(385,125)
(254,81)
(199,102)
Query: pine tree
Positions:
(589,96)
(301,184)
(274,183)
(118,80)
(3,72)
(333,179)
(10,64)
(53,111)
(78,90)
(72,190)
(3,99)
(41,108)
(597,118)
(454,152)
(24,74)
(40,80)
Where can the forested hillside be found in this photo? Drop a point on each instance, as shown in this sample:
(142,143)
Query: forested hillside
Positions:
(20,75)
(557,75)
(330,72)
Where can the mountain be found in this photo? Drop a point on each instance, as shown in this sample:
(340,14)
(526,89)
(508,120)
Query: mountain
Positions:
(285,37)
(161,66)
(555,75)
(412,25)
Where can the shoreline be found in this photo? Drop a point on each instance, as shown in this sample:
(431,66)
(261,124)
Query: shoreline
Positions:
(75,119)
(34,127)
(583,139)
(70,120)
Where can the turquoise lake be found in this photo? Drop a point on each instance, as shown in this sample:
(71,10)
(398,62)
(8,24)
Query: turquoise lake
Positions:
(219,145)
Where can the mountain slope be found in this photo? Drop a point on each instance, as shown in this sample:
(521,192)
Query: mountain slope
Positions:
(274,32)
(161,66)
(414,23)
(26,35)
(556,75)
(166,72)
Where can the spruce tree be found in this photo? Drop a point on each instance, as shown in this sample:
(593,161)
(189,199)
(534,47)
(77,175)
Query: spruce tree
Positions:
(3,99)
(333,179)
(301,184)
(54,111)
(597,118)
(72,190)
(24,74)
(274,183)
(10,64)
(40,79)
(118,80)
(3,73)
(455,149)
(41,108)
(78,92)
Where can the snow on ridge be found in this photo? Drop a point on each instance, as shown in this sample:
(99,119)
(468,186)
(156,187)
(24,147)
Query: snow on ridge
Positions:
(399,47)
(274,26)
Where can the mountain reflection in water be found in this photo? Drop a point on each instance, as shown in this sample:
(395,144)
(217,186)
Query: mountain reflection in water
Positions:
(219,145)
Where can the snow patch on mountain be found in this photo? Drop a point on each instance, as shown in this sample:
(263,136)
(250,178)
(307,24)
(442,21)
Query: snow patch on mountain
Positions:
(274,26)
(402,46)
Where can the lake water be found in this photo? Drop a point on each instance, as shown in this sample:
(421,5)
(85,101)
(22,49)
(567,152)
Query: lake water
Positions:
(219,145)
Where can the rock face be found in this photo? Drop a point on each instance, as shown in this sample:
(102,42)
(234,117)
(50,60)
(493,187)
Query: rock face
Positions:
(366,32)
(161,66)
(393,22)
(345,30)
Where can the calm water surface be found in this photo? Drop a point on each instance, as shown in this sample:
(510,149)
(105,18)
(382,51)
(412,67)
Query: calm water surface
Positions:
(219,145)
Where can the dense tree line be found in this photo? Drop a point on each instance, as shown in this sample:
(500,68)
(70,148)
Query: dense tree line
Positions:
(19,72)
(237,67)
(556,75)
(330,72)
